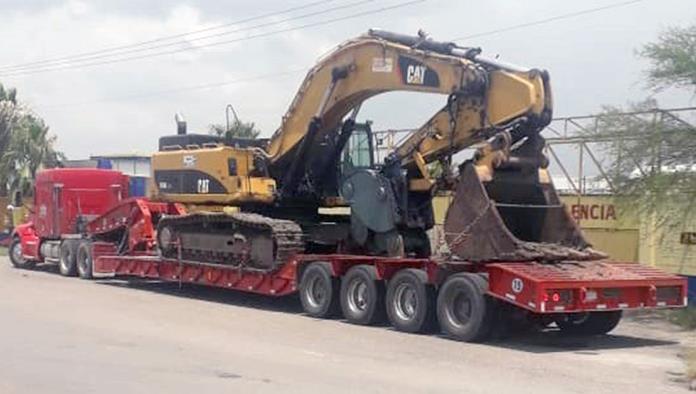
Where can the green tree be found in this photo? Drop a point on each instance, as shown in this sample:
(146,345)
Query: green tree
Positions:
(652,153)
(672,58)
(25,144)
(652,158)
(238,129)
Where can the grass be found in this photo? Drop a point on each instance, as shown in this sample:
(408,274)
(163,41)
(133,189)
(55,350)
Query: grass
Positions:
(685,318)
(691,364)
(3,251)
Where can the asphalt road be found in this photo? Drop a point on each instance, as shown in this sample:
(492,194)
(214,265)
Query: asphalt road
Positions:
(65,335)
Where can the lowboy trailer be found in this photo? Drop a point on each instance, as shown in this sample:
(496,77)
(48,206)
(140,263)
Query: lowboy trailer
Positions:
(467,301)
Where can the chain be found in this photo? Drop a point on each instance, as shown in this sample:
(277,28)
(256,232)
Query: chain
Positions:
(464,234)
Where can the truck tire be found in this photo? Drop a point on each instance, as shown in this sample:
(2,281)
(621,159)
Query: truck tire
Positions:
(411,301)
(16,257)
(464,311)
(319,291)
(68,260)
(590,323)
(84,259)
(362,296)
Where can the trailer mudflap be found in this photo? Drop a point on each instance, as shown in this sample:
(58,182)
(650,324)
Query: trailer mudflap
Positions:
(564,287)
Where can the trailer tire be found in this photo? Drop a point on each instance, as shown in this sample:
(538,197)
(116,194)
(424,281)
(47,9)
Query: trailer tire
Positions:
(84,260)
(319,291)
(16,257)
(464,311)
(68,260)
(589,324)
(411,301)
(362,296)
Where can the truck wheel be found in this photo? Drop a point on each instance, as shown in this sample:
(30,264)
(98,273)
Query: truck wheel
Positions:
(463,310)
(411,301)
(16,257)
(319,291)
(84,260)
(362,296)
(590,323)
(68,261)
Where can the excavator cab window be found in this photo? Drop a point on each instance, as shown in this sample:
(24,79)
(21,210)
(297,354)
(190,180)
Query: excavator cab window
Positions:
(358,152)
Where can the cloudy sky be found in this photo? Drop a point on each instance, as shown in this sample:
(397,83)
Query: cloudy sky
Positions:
(124,106)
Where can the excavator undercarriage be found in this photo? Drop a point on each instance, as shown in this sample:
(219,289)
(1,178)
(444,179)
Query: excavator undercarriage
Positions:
(242,239)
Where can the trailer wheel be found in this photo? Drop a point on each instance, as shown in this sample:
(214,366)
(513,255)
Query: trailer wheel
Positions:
(362,296)
(411,301)
(68,261)
(590,323)
(84,260)
(319,291)
(16,257)
(463,310)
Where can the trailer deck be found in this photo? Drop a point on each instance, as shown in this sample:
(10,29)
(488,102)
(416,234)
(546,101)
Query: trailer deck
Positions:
(537,287)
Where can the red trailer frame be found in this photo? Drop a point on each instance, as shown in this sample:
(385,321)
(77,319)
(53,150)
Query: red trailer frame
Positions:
(536,287)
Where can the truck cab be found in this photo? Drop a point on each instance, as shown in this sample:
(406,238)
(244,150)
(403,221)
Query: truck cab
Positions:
(65,199)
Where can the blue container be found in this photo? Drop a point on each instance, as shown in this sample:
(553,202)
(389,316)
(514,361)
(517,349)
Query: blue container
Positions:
(104,164)
(691,289)
(138,186)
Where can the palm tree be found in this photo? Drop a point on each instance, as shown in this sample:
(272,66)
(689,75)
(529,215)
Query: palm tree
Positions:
(25,145)
(238,129)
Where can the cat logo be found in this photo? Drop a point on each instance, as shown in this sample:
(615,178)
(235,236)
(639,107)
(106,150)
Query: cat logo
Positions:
(415,75)
(415,72)
(189,161)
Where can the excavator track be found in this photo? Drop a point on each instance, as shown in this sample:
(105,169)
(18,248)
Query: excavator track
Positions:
(240,239)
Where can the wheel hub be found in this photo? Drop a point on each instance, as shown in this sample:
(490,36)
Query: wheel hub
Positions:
(317,292)
(17,253)
(459,310)
(357,296)
(406,302)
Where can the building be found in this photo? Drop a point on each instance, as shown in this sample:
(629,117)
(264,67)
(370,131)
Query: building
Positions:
(131,164)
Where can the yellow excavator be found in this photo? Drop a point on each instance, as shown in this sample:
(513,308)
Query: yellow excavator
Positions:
(281,184)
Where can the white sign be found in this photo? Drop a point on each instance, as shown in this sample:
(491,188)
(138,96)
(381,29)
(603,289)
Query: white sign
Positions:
(382,65)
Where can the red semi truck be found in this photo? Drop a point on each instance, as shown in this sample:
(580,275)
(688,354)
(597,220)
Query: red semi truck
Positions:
(84,222)
(65,200)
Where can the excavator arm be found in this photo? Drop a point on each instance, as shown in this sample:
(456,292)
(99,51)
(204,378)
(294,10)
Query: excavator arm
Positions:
(362,68)
(482,96)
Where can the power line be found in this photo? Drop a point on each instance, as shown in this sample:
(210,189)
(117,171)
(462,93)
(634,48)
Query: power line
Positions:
(182,89)
(289,72)
(547,20)
(259,35)
(71,63)
(165,38)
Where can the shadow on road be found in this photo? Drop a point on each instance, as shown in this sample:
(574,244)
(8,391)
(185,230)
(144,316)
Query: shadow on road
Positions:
(287,304)
(552,341)
(547,341)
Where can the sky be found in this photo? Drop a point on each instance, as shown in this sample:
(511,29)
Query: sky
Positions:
(124,107)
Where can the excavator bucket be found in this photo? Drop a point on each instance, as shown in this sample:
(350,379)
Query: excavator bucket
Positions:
(511,214)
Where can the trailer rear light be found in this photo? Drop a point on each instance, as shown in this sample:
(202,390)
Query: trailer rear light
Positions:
(558,296)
